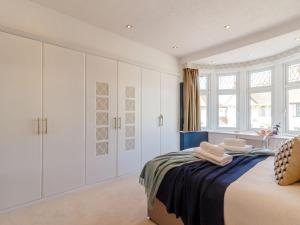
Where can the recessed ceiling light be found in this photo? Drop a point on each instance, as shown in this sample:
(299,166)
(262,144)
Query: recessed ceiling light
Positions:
(227,27)
(297,39)
(128,26)
(175,47)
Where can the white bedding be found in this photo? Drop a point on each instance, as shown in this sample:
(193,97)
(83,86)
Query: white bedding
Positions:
(256,199)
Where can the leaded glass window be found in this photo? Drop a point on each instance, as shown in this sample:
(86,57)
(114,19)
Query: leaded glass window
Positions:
(227,82)
(294,73)
(261,78)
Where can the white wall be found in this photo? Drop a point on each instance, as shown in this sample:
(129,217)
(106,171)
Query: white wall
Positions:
(32,20)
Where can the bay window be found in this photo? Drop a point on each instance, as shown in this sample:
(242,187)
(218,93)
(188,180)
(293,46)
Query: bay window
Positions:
(252,97)
(260,99)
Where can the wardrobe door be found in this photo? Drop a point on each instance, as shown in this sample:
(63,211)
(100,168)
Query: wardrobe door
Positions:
(169,110)
(101,118)
(129,92)
(151,118)
(21,106)
(64,113)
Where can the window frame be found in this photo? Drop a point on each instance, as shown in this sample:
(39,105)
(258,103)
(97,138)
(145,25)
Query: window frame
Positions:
(207,93)
(228,92)
(287,87)
(262,89)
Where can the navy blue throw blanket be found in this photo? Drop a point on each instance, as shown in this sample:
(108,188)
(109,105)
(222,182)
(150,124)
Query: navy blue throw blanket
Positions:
(195,191)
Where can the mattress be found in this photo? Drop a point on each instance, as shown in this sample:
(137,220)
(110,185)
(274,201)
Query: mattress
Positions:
(254,198)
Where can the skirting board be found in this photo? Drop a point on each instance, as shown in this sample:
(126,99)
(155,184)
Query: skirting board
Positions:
(159,215)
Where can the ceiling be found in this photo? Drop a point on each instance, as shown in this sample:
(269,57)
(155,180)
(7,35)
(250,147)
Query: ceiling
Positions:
(195,26)
(255,51)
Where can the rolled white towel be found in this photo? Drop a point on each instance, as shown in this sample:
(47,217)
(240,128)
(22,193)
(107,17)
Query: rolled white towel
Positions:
(235,142)
(220,161)
(212,149)
(246,148)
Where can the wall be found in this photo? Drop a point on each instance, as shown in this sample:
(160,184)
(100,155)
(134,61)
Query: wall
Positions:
(29,19)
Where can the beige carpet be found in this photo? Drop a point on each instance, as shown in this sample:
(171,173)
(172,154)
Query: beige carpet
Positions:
(118,202)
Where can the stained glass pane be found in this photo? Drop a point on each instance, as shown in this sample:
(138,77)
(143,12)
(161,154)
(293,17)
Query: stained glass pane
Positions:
(227,110)
(261,78)
(294,73)
(260,106)
(203,82)
(227,82)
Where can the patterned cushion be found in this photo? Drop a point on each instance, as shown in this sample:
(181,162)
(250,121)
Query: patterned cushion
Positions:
(287,162)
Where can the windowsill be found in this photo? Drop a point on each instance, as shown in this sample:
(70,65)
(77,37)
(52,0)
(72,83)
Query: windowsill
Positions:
(252,134)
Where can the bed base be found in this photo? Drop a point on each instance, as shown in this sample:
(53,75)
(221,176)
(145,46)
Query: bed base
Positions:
(159,215)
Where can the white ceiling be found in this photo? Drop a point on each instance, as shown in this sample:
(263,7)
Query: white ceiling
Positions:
(196,26)
(254,51)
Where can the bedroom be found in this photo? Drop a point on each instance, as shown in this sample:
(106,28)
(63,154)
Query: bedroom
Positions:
(92,91)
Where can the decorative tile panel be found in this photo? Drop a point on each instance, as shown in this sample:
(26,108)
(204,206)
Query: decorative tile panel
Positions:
(130,131)
(102,148)
(130,92)
(130,144)
(130,118)
(102,103)
(101,118)
(130,105)
(102,133)
(102,89)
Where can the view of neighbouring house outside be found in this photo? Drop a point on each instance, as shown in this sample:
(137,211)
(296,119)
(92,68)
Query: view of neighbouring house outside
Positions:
(227,111)
(203,110)
(294,109)
(260,110)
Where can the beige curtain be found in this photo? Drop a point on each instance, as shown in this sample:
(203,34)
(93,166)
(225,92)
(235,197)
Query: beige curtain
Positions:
(191,101)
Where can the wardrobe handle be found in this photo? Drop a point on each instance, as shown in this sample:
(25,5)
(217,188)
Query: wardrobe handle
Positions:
(119,123)
(38,126)
(161,120)
(115,122)
(46,126)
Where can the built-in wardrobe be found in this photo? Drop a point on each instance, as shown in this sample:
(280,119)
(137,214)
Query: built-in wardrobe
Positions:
(69,119)
(160,94)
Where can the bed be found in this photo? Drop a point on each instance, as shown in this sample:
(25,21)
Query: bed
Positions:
(253,199)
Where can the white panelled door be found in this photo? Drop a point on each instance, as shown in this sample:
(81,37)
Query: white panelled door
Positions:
(170,113)
(21,106)
(129,92)
(151,116)
(101,118)
(64,130)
